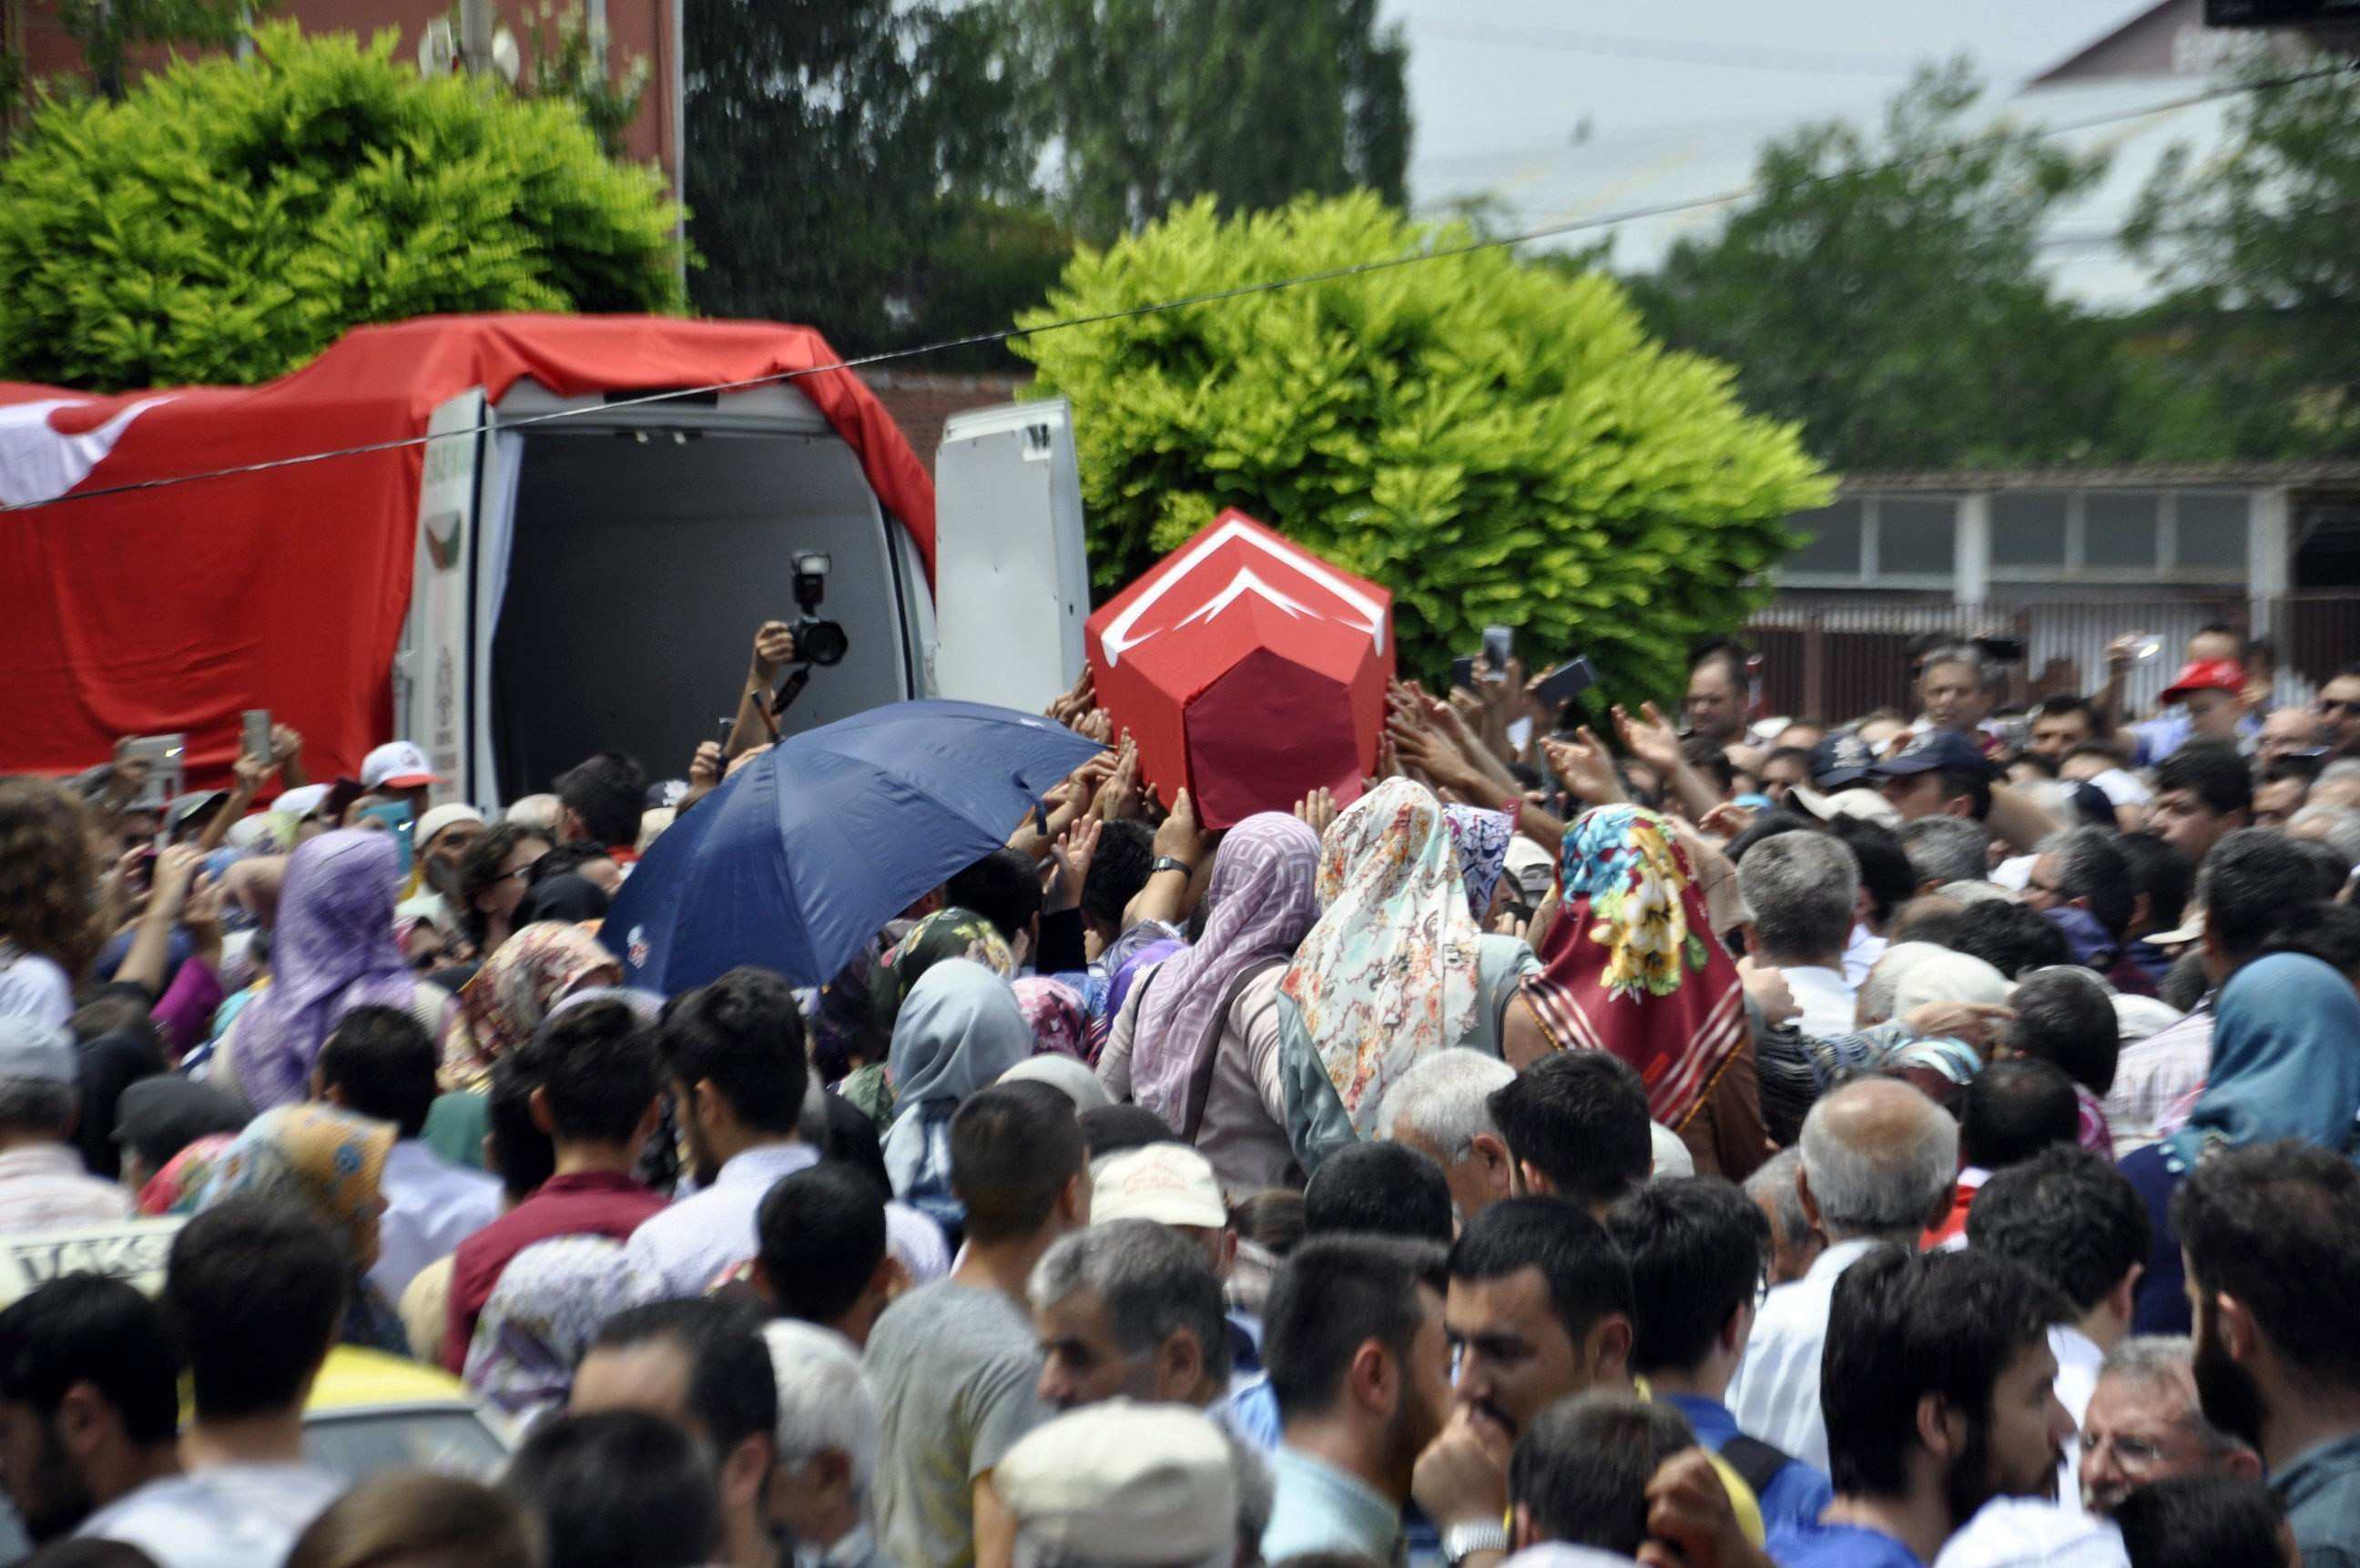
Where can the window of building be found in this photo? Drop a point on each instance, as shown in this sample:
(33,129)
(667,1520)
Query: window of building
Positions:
(2118,529)
(1834,544)
(1916,538)
(2211,530)
(2028,528)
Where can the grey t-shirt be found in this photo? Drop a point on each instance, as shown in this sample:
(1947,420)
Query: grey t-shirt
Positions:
(953,1368)
(227,1516)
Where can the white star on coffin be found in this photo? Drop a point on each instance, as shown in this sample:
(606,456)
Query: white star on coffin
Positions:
(1356,609)
(39,463)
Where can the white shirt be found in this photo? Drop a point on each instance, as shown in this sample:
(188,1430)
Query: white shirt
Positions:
(1828,1004)
(34,986)
(228,1516)
(45,1187)
(1776,1394)
(2032,1532)
(701,1238)
(2077,1357)
(1861,955)
(430,1206)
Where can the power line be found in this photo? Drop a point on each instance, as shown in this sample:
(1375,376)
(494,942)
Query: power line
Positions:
(1157,307)
(1747,56)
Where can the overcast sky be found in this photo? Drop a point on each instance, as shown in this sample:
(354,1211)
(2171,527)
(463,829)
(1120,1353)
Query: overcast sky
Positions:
(1492,77)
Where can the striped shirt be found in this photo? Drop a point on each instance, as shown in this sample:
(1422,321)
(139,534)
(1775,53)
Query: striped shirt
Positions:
(43,1187)
(2156,1073)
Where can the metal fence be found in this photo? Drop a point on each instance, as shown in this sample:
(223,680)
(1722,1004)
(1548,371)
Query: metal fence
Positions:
(1837,661)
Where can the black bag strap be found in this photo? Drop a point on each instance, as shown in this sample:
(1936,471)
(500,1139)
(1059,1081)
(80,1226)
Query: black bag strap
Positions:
(1755,1461)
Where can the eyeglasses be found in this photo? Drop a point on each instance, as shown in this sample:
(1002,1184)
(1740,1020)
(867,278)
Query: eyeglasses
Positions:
(2130,1453)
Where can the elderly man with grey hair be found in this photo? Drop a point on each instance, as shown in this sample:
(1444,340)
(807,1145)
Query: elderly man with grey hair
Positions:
(1879,1161)
(1804,890)
(43,1184)
(2336,826)
(824,1459)
(2145,1423)
(1795,1239)
(1130,1486)
(1944,849)
(1129,1309)
(1438,1109)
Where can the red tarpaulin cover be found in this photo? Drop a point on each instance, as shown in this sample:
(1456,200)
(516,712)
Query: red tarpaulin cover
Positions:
(1249,671)
(175,608)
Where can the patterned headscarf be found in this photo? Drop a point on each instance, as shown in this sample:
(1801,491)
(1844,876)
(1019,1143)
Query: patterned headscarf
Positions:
(1391,973)
(515,991)
(1632,965)
(327,1160)
(1262,899)
(951,933)
(175,1189)
(551,1302)
(332,950)
(1481,839)
(1055,1011)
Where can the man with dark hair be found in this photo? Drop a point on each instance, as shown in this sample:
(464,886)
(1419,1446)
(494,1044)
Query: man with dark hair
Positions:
(1129,1309)
(2203,791)
(620,1490)
(1720,695)
(1576,1126)
(734,1052)
(1383,1189)
(2059,724)
(2271,1233)
(90,1405)
(599,802)
(1580,1474)
(2064,1016)
(2204,1521)
(1004,887)
(2338,709)
(1695,1247)
(953,1362)
(2284,786)
(1117,872)
(254,1292)
(2009,937)
(1539,1307)
(1784,768)
(1886,882)
(380,1062)
(702,1364)
(2071,1220)
(2243,891)
(820,1253)
(1359,1359)
(591,1077)
(2014,1110)
(2080,880)
(1938,1399)
(2161,877)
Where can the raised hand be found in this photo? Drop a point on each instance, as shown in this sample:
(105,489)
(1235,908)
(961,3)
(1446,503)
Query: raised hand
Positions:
(1071,854)
(774,648)
(1317,810)
(1584,766)
(1651,737)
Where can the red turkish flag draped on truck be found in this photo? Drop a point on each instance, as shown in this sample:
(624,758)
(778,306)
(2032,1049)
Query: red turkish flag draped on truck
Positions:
(1249,671)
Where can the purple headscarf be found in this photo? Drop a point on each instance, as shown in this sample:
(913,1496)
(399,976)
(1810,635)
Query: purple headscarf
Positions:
(332,950)
(1264,898)
(1482,837)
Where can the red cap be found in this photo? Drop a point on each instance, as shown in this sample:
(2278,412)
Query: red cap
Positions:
(2206,675)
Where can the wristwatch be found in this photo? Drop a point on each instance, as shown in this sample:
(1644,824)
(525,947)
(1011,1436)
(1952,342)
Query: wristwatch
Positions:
(1170,863)
(1462,1541)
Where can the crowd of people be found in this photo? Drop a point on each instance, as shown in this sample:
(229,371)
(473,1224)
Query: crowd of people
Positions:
(1925,1139)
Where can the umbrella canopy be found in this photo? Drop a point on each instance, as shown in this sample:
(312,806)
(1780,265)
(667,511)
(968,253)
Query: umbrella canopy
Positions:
(811,848)
(1249,671)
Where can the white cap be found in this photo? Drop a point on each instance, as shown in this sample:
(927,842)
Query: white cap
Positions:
(32,1050)
(1169,1183)
(301,801)
(1671,1152)
(1121,1483)
(398,763)
(1866,804)
(443,817)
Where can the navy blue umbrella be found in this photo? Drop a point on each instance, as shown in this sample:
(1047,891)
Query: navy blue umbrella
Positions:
(798,858)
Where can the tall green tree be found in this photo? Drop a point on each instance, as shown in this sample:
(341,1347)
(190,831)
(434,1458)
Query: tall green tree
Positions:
(1153,102)
(861,166)
(1884,291)
(2260,242)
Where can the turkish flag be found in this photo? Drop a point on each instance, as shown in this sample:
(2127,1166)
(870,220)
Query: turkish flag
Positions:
(1249,671)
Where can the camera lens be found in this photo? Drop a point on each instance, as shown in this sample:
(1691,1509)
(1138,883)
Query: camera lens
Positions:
(820,641)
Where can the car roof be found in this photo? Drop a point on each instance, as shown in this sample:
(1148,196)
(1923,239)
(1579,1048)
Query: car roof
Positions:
(355,1378)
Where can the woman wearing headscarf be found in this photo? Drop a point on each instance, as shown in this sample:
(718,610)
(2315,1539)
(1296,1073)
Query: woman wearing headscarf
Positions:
(332,950)
(1198,1040)
(1631,966)
(959,1030)
(1482,837)
(1395,970)
(328,1162)
(2286,1064)
(517,988)
(551,1302)
(952,933)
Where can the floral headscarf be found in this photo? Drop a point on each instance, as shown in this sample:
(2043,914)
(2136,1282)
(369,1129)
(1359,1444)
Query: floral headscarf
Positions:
(551,1302)
(327,1160)
(1481,839)
(1262,899)
(951,933)
(1632,965)
(174,1189)
(515,990)
(332,950)
(1391,973)
(1054,1010)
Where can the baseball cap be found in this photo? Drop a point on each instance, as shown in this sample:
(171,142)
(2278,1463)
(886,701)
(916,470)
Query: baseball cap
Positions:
(1123,1482)
(32,1050)
(1169,1183)
(443,817)
(2206,675)
(300,802)
(160,1116)
(1931,749)
(1840,760)
(397,764)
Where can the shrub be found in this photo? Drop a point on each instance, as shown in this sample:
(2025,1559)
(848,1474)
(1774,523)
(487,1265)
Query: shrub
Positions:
(1494,442)
(226,221)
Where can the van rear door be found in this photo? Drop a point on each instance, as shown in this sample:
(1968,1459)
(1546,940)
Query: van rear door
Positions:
(1011,585)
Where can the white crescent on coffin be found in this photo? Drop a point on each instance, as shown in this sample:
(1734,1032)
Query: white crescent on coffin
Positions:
(1116,639)
(39,463)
